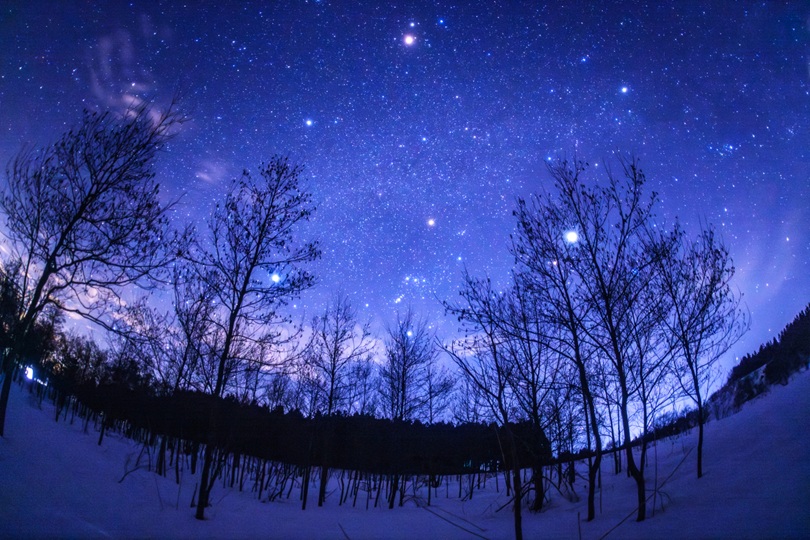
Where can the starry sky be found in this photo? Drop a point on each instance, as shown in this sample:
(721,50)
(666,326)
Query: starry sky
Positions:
(419,123)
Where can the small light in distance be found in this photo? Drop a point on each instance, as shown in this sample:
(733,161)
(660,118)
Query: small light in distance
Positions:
(275,278)
(571,237)
(29,373)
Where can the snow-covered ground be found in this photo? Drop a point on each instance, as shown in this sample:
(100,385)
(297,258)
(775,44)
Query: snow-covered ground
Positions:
(55,481)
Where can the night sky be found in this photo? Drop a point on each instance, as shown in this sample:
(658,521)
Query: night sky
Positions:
(419,123)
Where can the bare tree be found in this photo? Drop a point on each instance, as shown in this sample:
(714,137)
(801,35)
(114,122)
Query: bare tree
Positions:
(9,303)
(172,345)
(468,407)
(251,265)
(337,342)
(649,356)
(705,317)
(564,417)
(193,307)
(83,219)
(482,359)
(439,385)
(544,247)
(613,266)
(283,391)
(78,360)
(362,391)
(409,352)
(524,327)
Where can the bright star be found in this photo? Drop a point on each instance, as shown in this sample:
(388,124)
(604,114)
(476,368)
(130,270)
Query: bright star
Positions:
(275,278)
(624,89)
(431,222)
(571,237)
(308,122)
(409,39)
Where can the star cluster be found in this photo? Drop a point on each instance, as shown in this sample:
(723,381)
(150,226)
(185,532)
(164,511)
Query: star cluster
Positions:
(419,124)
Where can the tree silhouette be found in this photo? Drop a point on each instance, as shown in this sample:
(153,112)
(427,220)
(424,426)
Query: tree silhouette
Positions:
(546,259)
(614,267)
(83,220)
(251,266)
(338,341)
(704,317)
(409,353)
(484,361)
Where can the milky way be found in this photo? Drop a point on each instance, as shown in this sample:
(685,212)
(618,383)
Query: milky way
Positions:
(420,123)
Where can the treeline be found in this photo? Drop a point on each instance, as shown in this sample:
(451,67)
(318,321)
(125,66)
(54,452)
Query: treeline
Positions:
(783,356)
(275,451)
(773,363)
(122,395)
(358,442)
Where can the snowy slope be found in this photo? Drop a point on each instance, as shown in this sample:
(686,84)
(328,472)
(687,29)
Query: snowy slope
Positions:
(56,481)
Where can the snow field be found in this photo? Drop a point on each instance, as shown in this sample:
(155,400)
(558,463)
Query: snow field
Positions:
(55,481)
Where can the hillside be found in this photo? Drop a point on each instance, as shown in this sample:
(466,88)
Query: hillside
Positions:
(56,481)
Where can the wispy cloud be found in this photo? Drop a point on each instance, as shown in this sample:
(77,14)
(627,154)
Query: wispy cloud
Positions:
(211,172)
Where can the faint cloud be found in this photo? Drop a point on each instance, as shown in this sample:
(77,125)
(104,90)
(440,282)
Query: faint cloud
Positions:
(114,70)
(211,172)
(121,75)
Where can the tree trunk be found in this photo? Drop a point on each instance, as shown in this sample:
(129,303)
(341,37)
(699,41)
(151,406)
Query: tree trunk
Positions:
(324,480)
(4,393)
(103,428)
(700,443)
(177,457)
(518,496)
(539,488)
(205,481)
(517,486)
(636,473)
(305,488)
(195,455)
(234,467)
(591,426)
(260,479)
(593,471)
(160,466)
(394,489)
